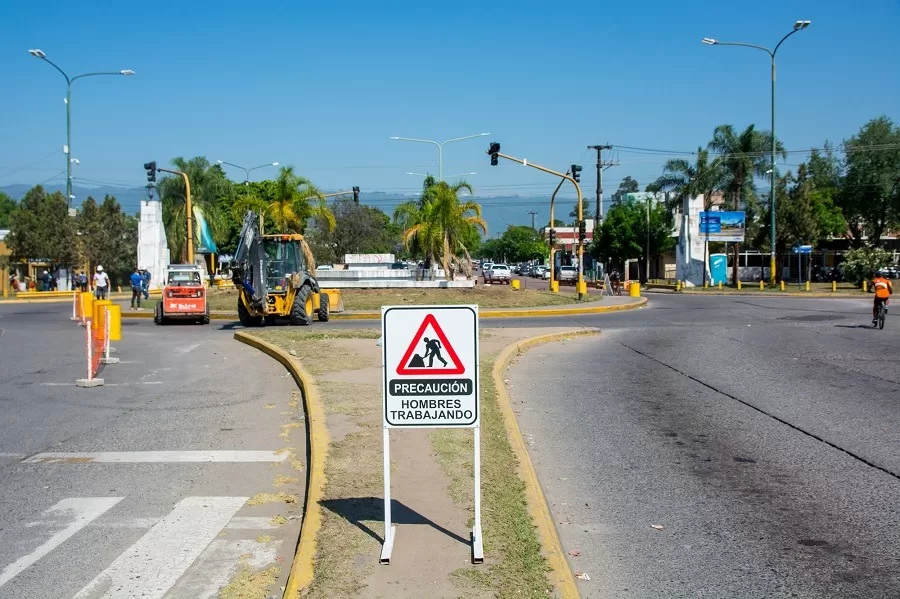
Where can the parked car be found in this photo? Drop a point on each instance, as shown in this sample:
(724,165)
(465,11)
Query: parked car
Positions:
(567,275)
(499,273)
(545,274)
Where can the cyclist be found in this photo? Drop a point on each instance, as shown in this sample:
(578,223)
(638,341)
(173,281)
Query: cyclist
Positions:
(883,290)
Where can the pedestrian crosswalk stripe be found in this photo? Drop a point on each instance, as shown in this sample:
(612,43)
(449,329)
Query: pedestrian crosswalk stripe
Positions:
(150,567)
(75,513)
(137,457)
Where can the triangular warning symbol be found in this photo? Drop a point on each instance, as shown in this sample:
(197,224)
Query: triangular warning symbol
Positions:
(414,363)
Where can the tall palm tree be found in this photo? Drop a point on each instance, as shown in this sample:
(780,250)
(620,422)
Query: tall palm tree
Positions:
(688,180)
(436,225)
(289,202)
(210,191)
(744,156)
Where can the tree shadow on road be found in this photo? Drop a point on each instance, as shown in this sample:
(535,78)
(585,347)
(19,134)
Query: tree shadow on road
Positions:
(359,510)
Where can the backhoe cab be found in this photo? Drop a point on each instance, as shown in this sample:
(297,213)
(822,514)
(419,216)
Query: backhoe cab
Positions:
(274,280)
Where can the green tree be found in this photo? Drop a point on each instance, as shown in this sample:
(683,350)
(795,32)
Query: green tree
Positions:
(437,225)
(744,156)
(108,237)
(520,243)
(491,249)
(626,186)
(287,203)
(211,192)
(40,228)
(869,195)
(623,235)
(7,205)
(359,229)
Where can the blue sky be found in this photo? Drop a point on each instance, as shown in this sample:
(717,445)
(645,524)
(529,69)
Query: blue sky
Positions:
(323,87)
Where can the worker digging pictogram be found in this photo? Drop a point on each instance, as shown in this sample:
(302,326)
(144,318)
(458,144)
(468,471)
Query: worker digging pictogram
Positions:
(431,353)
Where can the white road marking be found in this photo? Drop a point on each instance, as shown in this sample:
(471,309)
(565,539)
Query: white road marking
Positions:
(11,455)
(251,523)
(77,512)
(219,563)
(150,567)
(236,523)
(154,457)
(186,349)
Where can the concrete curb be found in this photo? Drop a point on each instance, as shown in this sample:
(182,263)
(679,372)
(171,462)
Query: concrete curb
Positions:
(317,440)
(794,294)
(560,573)
(495,313)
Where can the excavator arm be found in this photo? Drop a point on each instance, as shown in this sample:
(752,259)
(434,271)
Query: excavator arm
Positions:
(249,270)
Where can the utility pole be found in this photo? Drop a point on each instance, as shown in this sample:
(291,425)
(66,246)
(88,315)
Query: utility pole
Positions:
(532,213)
(601,166)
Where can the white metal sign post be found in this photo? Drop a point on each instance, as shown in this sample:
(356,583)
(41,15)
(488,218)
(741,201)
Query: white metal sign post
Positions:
(430,365)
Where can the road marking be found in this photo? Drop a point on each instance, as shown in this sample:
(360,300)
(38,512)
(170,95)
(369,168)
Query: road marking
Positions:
(11,455)
(155,457)
(77,512)
(150,567)
(236,523)
(186,349)
(219,563)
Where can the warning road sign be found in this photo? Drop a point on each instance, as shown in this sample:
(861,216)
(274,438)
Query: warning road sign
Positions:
(430,366)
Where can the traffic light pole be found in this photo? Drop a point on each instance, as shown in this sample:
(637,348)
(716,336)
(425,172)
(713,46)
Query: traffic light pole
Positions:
(188,213)
(580,286)
(552,241)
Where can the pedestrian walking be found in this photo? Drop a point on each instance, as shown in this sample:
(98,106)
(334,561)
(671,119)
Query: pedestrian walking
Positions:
(101,284)
(83,281)
(45,281)
(137,288)
(145,283)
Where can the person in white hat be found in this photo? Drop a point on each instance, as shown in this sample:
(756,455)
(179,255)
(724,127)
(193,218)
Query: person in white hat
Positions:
(101,283)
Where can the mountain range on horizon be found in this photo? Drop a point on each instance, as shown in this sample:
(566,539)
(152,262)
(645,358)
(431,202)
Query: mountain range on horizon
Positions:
(498,211)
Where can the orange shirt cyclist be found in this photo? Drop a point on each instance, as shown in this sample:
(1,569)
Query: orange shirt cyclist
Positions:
(883,290)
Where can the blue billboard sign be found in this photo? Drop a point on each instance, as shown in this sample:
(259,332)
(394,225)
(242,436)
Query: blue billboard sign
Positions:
(723,226)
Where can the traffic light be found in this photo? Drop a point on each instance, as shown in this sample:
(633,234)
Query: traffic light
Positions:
(552,237)
(493,151)
(151,171)
(356,194)
(576,173)
(582,229)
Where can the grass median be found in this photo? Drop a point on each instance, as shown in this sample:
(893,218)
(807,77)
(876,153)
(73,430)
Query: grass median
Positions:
(346,366)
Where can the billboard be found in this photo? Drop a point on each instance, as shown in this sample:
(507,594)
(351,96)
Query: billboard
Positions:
(722,226)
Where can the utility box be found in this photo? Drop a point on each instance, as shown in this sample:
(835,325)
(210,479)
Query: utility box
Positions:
(718,268)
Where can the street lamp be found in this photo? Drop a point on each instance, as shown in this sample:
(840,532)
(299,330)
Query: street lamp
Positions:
(798,26)
(247,170)
(38,53)
(440,146)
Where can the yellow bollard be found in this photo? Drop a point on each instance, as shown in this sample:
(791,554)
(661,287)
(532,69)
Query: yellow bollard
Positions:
(581,287)
(807,285)
(677,285)
(782,285)
(720,285)
(739,285)
(515,284)
(762,285)
(705,284)
(634,289)
(554,286)
(865,286)
(87,305)
(114,314)
(99,312)
(119,288)
(834,286)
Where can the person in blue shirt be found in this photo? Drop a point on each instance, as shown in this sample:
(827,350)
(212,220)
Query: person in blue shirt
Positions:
(145,275)
(137,288)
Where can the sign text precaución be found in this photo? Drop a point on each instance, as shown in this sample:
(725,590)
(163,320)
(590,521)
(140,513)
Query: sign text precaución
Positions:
(427,387)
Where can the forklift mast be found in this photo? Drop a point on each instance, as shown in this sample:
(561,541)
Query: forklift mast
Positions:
(249,271)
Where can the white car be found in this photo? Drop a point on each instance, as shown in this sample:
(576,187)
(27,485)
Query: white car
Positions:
(499,273)
(545,274)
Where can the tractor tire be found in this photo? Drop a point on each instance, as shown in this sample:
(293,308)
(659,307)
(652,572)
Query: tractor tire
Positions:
(324,307)
(205,319)
(245,317)
(158,315)
(299,314)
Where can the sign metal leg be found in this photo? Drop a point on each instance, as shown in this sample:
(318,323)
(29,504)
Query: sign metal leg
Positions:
(477,543)
(389,529)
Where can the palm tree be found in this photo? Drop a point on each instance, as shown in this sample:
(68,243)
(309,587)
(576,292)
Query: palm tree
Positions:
(743,156)
(437,224)
(289,202)
(688,180)
(210,191)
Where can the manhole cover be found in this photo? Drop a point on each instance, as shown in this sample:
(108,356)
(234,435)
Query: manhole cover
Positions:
(812,317)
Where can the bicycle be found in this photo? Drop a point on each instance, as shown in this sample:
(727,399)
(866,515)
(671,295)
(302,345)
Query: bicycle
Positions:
(880,315)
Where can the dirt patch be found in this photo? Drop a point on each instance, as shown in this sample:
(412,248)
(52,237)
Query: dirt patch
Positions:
(280,497)
(248,583)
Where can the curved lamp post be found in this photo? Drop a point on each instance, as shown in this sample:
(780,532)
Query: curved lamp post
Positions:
(440,145)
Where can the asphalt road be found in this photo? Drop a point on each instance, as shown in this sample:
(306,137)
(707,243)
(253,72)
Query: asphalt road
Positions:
(761,434)
(142,487)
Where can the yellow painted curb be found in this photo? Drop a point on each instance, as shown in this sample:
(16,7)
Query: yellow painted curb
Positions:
(560,574)
(301,573)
